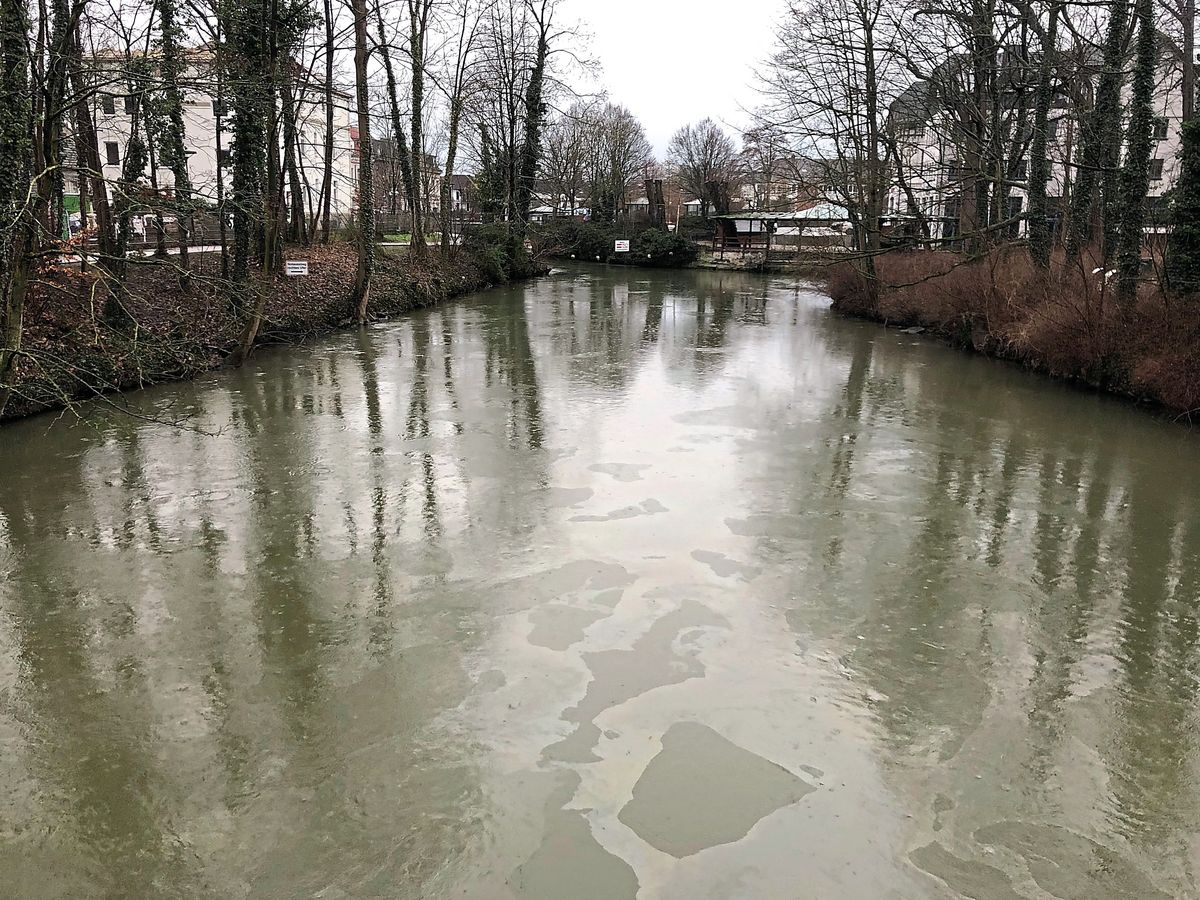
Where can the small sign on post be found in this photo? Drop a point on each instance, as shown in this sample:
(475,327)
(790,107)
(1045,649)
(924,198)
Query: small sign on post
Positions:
(294,267)
(621,247)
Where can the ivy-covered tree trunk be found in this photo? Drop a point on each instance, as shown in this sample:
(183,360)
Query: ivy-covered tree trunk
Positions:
(366,193)
(219,133)
(153,139)
(48,130)
(1135,174)
(1183,246)
(531,145)
(1039,157)
(129,185)
(128,190)
(447,196)
(248,64)
(174,150)
(16,222)
(1100,155)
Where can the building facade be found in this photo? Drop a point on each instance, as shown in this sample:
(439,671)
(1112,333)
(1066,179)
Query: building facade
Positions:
(929,175)
(207,139)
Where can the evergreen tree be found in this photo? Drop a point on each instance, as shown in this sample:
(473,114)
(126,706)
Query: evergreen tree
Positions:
(491,179)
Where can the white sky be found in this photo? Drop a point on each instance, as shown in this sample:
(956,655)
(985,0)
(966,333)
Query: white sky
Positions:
(676,61)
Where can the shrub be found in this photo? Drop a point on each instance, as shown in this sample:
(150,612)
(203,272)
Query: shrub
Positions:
(1065,322)
(575,239)
(593,241)
(695,228)
(499,257)
(662,248)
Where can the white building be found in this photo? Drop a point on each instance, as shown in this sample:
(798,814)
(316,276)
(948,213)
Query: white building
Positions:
(207,141)
(928,182)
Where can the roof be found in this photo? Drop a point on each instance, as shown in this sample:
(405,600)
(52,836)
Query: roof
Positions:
(822,212)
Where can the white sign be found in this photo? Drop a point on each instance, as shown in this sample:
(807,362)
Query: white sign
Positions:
(295,267)
(622,247)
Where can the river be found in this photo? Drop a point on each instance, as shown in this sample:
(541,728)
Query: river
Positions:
(669,584)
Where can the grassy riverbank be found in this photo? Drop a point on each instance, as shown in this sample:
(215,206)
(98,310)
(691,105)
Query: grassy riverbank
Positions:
(1065,322)
(73,350)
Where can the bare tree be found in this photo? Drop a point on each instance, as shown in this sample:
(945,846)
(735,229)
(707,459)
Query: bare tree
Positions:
(704,156)
(619,154)
(462,58)
(830,85)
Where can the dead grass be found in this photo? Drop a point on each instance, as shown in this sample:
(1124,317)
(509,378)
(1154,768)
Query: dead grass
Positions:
(1065,322)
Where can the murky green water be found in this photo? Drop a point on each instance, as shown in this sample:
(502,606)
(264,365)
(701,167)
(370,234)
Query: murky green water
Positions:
(676,585)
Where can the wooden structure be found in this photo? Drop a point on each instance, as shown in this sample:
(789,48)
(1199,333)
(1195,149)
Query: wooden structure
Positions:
(753,231)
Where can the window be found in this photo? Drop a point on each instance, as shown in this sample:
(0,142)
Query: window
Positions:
(218,107)
(224,158)
(1156,169)
(1052,129)
(1022,172)
(1160,129)
(112,153)
(130,105)
(108,103)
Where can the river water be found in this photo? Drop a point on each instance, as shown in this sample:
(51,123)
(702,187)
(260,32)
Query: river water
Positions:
(613,584)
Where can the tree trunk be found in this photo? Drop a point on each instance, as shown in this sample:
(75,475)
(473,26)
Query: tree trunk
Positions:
(297,227)
(1135,175)
(327,176)
(1183,246)
(1099,154)
(535,114)
(1039,162)
(400,150)
(366,193)
(447,198)
(17,217)
(1189,60)
(174,139)
(219,123)
(90,165)
(418,23)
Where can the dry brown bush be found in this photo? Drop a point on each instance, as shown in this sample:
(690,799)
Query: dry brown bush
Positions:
(1066,321)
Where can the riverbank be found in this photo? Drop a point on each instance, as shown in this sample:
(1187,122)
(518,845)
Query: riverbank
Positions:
(75,351)
(1065,323)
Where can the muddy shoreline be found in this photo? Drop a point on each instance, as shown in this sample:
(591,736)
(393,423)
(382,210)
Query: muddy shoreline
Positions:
(175,334)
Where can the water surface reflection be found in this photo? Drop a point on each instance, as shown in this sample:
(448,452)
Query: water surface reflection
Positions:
(447,606)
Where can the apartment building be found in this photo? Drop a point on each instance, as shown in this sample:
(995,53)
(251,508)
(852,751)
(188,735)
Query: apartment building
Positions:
(207,139)
(929,172)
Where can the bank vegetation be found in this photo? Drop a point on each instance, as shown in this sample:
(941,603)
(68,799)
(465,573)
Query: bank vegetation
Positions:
(99,133)
(1022,176)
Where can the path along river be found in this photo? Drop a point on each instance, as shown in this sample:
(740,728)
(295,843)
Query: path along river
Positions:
(612,584)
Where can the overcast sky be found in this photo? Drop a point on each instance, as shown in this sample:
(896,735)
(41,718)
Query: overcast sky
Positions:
(676,61)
